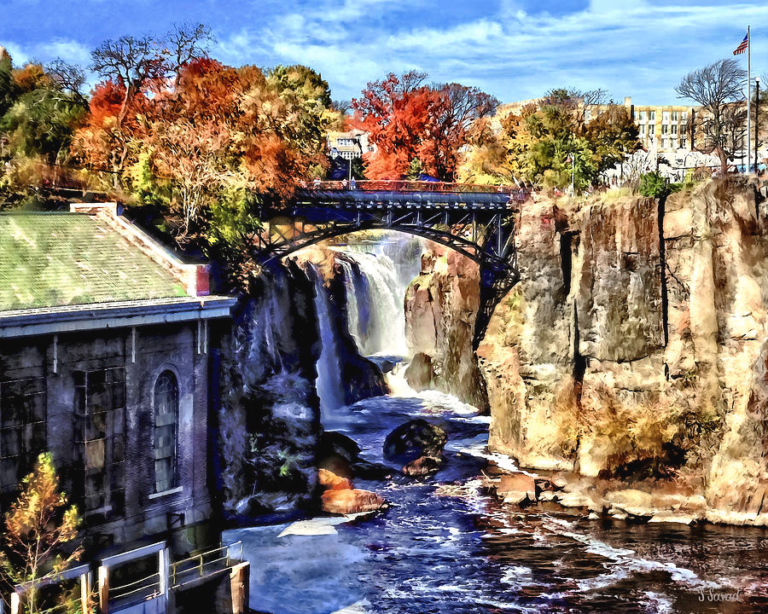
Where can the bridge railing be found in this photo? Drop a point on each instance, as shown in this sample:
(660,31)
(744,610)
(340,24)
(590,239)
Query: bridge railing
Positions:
(385,185)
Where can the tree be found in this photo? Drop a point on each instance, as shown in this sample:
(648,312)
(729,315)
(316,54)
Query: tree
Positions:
(406,119)
(38,527)
(132,63)
(70,79)
(415,170)
(719,89)
(612,136)
(185,43)
(537,143)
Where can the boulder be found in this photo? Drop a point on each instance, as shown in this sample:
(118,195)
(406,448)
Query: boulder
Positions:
(331,481)
(424,465)
(631,501)
(333,443)
(366,470)
(351,501)
(336,453)
(413,440)
(516,488)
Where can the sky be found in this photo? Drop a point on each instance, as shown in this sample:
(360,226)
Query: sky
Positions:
(513,49)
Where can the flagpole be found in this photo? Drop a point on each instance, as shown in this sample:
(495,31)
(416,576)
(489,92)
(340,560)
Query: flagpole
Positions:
(749,100)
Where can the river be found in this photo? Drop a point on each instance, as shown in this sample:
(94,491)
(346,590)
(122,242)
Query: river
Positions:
(444,545)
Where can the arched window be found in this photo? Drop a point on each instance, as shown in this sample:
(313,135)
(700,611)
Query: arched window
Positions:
(166,419)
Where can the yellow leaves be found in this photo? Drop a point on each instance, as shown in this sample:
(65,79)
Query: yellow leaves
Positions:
(36,526)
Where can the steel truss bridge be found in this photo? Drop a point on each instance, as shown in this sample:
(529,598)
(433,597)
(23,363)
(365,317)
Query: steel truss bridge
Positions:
(476,221)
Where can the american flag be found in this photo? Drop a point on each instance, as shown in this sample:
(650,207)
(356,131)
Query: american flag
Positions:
(743,46)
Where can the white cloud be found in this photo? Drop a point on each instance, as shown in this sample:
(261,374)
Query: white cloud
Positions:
(66,49)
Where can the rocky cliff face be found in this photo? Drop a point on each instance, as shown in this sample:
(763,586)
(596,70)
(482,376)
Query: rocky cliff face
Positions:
(633,351)
(440,309)
(268,415)
(635,345)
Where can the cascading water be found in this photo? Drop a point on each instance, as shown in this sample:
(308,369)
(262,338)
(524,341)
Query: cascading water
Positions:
(330,387)
(375,287)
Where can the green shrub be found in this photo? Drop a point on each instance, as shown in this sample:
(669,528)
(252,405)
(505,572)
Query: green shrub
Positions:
(653,185)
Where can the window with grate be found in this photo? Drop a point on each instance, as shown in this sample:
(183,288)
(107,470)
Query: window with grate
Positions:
(166,420)
(22,431)
(100,439)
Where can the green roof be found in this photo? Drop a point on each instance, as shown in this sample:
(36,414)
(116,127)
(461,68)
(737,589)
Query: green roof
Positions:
(57,259)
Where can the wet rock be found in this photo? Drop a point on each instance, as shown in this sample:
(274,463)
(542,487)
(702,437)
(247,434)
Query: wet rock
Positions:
(425,465)
(337,453)
(351,501)
(516,488)
(332,442)
(414,439)
(633,502)
(673,518)
(419,374)
(331,481)
(574,499)
(440,310)
(371,471)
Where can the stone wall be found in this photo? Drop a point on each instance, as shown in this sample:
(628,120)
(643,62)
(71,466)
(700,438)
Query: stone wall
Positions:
(140,512)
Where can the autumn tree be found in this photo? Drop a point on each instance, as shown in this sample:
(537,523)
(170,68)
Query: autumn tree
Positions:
(40,529)
(37,119)
(719,89)
(406,119)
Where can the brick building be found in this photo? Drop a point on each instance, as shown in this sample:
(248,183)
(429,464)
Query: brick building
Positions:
(104,362)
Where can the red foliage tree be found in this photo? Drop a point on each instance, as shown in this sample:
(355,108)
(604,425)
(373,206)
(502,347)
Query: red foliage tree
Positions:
(408,120)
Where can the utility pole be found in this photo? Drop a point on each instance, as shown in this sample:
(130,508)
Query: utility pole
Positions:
(757,117)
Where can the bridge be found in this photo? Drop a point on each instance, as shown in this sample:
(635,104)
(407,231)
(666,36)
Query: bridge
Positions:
(476,221)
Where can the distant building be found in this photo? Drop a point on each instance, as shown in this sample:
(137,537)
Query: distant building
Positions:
(104,362)
(350,145)
(665,128)
(669,127)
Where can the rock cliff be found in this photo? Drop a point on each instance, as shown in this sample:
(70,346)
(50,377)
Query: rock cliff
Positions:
(633,351)
(267,409)
(440,309)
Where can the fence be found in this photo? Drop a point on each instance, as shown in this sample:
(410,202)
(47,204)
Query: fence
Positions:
(442,187)
(155,586)
(203,565)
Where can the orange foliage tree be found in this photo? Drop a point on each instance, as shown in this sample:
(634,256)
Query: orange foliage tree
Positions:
(408,120)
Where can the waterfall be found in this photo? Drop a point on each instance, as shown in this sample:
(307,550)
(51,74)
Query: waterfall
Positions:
(375,286)
(330,387)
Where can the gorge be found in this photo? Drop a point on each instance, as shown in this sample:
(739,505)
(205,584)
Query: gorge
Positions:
(626,370)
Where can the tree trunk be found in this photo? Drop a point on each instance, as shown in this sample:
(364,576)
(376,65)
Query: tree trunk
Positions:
(723,161)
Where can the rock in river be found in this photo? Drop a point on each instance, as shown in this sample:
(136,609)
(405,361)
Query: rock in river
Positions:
(424,466)
(413,440)
(351,501)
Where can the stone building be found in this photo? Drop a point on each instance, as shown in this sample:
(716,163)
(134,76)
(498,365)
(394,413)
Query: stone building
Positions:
(104,362)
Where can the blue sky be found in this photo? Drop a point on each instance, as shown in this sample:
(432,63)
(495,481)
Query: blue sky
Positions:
(514,49)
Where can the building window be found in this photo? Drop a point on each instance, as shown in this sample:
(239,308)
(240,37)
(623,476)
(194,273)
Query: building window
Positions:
(642,130)
(100,439)
(652,116)
(684,116)
(665,117)
(166,420)
(641,115)
(664,129)
(675,116)
(682,142)
(674,128)
(22,431)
